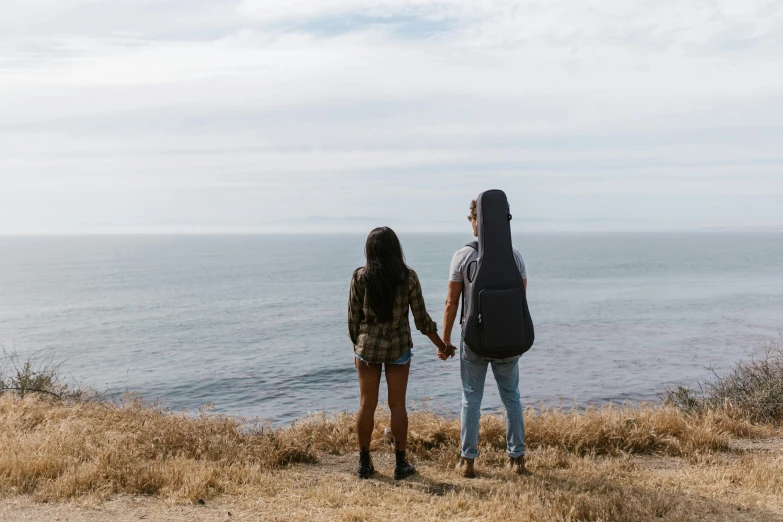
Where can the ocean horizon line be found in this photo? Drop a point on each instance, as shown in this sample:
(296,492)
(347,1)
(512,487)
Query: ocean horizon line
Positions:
(185,233)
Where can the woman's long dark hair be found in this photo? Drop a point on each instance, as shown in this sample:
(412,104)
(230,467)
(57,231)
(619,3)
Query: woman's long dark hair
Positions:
(385,270)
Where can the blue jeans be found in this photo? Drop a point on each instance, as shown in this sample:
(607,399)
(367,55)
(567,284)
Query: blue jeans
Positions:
(473,370)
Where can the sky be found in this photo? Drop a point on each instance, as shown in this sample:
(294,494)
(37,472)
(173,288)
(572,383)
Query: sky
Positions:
(238,116)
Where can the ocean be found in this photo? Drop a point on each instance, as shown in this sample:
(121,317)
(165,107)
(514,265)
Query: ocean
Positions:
(256,325)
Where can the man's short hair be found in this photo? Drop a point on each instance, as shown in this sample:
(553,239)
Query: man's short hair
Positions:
(473,210)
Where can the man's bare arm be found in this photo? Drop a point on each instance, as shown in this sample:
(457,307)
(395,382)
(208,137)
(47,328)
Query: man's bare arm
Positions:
(452,307)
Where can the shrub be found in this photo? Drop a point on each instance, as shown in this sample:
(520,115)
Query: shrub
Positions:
(38,374)
(752,389)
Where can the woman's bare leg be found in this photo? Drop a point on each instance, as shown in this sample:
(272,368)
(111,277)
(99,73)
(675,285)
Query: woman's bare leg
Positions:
(369,382)
(397,382)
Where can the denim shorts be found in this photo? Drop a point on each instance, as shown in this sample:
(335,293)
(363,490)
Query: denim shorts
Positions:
(404,358)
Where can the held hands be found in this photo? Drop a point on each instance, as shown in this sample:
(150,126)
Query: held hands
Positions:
(446,351)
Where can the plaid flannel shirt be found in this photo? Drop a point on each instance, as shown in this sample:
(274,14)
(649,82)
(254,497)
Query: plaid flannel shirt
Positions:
(378,342)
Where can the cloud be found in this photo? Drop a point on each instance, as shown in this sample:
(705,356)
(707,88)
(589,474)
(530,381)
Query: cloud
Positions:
(197,111)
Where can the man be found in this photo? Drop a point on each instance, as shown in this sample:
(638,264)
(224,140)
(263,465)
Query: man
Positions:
(473,369)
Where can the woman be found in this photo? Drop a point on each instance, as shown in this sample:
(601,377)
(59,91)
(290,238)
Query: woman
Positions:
(381,293)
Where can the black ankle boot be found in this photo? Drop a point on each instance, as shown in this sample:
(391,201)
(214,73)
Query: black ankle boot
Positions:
(366,468)
(403,468)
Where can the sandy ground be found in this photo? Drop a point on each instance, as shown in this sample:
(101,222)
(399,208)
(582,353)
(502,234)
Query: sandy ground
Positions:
(294,505)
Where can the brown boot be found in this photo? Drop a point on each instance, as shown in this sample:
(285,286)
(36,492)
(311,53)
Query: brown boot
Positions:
(516,465)
(465,468)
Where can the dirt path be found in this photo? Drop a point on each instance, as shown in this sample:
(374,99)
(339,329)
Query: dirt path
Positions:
(774,446)
(121,509)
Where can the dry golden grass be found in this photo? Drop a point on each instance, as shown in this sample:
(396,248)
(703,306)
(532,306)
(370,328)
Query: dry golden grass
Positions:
(612,463)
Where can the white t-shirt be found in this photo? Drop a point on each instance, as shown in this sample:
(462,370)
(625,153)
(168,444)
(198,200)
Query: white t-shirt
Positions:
(467,255)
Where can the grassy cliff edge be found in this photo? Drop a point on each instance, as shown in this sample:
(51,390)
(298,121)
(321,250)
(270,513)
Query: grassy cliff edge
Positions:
(692,460)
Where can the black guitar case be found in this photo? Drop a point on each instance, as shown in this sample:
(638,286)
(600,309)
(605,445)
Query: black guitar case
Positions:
(496,323)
